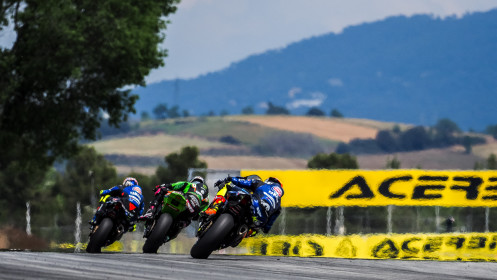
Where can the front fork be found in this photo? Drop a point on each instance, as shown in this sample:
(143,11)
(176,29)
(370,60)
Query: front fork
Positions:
(150,224)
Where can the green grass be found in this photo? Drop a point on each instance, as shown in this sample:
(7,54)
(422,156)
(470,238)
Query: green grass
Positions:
(211,128)
(151,145)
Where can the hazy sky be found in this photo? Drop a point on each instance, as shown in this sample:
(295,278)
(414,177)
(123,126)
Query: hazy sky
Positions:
(208,35)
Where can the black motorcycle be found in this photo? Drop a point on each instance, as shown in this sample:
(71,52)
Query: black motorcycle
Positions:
(227,227)
(168,219)
(112,220)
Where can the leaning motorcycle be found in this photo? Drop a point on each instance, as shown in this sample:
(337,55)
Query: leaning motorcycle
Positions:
(227,227)
(168,219)
(112,220)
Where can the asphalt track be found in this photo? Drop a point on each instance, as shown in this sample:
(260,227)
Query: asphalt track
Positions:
(51,265)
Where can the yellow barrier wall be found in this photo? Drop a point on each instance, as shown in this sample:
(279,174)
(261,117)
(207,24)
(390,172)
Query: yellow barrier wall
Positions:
(444,247)
(310,188)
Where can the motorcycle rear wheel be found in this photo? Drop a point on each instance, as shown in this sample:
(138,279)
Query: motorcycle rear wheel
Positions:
(158,235)
(99,237)
(213,238)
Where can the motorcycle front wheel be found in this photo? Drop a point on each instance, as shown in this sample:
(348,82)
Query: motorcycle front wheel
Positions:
(213,238)
(158,235)
(99,237)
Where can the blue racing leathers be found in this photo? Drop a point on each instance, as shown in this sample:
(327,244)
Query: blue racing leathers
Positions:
(266,201)
(134,194)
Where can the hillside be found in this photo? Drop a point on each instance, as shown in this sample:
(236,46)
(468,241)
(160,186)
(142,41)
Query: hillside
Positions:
(413,70)
(296,140)
(336,129)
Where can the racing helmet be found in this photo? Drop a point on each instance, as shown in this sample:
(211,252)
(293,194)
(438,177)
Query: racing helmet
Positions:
(254,177)
(272,180)
(130,181)
(197,179)
(201,186)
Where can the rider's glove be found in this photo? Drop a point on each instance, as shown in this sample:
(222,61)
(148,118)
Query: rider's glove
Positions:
(132,228)
(218,183)
(161,188)
(221,182)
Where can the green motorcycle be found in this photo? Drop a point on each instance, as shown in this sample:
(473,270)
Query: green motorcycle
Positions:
(168,219)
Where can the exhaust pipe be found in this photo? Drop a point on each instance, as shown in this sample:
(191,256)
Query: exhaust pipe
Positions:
(242,230)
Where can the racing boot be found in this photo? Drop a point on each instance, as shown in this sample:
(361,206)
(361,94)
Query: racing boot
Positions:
(150,212)
(148,215)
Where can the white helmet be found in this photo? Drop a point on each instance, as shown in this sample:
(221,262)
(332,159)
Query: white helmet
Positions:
(197,179)
(130,181)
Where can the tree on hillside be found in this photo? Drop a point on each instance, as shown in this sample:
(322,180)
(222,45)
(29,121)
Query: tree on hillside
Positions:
(315,111)
(492,130)
(446,126)
(467,143)
(342,148)
(276,110)
(444,132)
(174,112)
(145,116)
(248,110)
(336,114)
(71,61)
(387,141)
(333,161)
(106,129)
(178,164)
(393,163)
(161,111)
(85,175)
(492,162)
(414,139)
(228,139)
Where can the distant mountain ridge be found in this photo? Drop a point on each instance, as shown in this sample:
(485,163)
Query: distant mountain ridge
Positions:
(413,70)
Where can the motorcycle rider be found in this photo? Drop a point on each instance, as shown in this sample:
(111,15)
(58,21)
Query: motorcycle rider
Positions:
(196,192)
(133,191)
(266,199)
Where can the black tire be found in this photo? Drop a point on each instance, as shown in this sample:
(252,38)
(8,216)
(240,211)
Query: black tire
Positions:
(158,234)
(212,239)
(99,237)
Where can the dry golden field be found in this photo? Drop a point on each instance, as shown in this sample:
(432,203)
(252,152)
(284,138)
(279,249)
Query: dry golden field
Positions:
(153,145)
(328,128)
(161,144)
(487,149)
